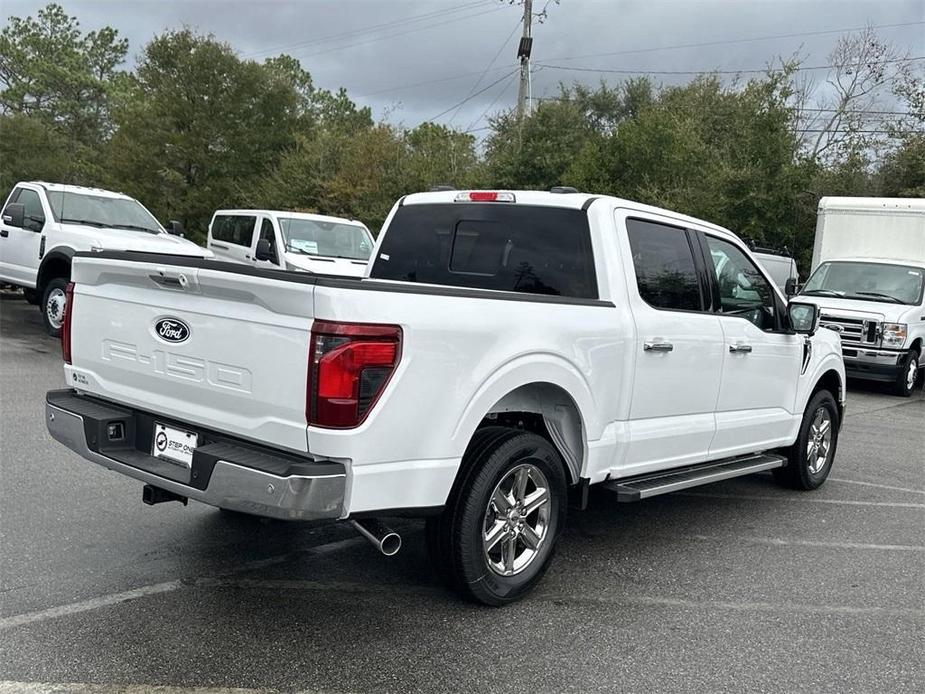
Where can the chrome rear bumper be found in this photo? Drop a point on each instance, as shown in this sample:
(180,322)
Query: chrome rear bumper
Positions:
(295,489)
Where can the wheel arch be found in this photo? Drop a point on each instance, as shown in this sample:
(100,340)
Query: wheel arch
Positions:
(832,381)
(544,394)
(55,263)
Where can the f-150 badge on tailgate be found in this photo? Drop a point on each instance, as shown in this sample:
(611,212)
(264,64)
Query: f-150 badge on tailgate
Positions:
(172,329)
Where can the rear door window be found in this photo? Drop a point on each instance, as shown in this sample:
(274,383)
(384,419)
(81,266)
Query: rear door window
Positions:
(236,229)
(507,247)
(666,274)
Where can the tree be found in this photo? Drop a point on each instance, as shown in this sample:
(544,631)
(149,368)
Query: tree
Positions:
(198,127)
(60,79)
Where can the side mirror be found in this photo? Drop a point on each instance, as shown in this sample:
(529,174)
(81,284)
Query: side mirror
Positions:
(803,317)
(791,287)
(264,251)
(174,227)
(14,215)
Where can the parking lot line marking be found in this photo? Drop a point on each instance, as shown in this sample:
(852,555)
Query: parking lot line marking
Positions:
(878,486)
(775,541)
(10,687)
(165,587)
(803,608)
(87,605)
(840,502)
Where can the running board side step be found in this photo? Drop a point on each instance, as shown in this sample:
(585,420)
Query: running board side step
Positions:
(667,481)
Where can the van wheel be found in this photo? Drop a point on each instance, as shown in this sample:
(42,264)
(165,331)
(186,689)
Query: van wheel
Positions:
(52,306)
(497,535)
(908,374)
(809,460)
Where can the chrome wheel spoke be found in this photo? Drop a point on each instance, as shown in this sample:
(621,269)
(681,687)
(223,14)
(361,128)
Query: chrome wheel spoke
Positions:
(500,501)
(535,501)
(493,536)
(530,537)
(509,553)
(520,484)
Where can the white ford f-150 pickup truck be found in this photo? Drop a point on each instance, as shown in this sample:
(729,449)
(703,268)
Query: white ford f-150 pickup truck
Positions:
(507,349)
(44,224)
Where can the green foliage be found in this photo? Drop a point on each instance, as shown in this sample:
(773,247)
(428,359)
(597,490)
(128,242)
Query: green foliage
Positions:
(59,79)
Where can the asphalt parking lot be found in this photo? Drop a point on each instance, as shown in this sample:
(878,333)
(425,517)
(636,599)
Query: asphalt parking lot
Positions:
(739,586)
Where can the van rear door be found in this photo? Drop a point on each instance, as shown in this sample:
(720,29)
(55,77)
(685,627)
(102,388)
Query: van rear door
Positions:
(231,236)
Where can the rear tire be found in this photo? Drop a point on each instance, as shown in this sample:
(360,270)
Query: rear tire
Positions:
(52,306)
(497,535)
(809,460)
(908,375)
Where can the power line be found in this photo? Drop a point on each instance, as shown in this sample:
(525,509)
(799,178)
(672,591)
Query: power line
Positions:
(370,28)
(504,87)
(425,83)
(472,96)
(488,67)
(731,41)
(400,33)
(720,72)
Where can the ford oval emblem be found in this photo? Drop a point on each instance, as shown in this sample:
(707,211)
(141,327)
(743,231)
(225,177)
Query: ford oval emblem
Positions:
(171,329)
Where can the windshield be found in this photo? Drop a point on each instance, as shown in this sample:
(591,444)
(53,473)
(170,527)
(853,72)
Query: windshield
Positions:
(326,239)
(102,211)
(901,284)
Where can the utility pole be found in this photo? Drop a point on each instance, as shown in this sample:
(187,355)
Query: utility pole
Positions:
(523,54)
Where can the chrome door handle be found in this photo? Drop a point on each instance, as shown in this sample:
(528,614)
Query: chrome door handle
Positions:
(657,347)
(740,349)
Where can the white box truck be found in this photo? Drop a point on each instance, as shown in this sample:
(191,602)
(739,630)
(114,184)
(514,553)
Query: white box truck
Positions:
(868,279)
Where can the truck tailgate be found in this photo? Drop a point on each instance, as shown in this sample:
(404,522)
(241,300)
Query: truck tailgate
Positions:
(219,348)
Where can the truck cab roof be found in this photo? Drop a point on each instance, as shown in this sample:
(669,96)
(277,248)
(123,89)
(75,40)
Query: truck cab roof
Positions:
(562,200)
(80,190)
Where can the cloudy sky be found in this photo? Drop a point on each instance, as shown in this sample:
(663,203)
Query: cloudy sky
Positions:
(412,60)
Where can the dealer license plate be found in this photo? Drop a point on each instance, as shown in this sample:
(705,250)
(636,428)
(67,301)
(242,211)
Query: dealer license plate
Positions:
(175,445)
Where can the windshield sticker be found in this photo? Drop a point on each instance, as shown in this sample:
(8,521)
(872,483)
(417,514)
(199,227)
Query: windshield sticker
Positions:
(915,273)
(384,256)
(305,246)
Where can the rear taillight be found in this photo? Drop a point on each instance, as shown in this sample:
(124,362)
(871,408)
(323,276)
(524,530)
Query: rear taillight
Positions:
(66,322)
(349,365)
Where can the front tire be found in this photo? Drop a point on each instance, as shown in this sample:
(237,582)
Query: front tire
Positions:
(809,460)
(497,535)
(908,374)
(52,306)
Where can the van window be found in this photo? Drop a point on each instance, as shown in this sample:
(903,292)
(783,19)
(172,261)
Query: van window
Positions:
(233,228)
(508,247)
(666,275)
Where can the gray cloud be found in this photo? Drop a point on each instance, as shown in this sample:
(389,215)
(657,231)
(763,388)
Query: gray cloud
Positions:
(425,56)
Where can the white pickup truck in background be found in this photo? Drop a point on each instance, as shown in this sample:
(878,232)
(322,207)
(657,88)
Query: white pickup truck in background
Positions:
(291,241)
(506,349)
(44,224)
(869,281)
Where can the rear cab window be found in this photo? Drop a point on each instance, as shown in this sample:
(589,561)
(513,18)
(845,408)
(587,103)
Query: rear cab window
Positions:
(520,248)
(233,228)
(663,259)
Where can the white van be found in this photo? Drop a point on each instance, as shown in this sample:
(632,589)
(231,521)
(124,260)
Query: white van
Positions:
(869,281)
(291,241)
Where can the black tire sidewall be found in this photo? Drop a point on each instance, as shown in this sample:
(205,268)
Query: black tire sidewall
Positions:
(801,473)
(470,564)
(901,388)
(56,283)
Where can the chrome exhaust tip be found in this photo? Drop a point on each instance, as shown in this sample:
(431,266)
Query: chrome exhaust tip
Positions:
(380,536)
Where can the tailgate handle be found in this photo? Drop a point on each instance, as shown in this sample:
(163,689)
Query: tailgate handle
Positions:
(178,281)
